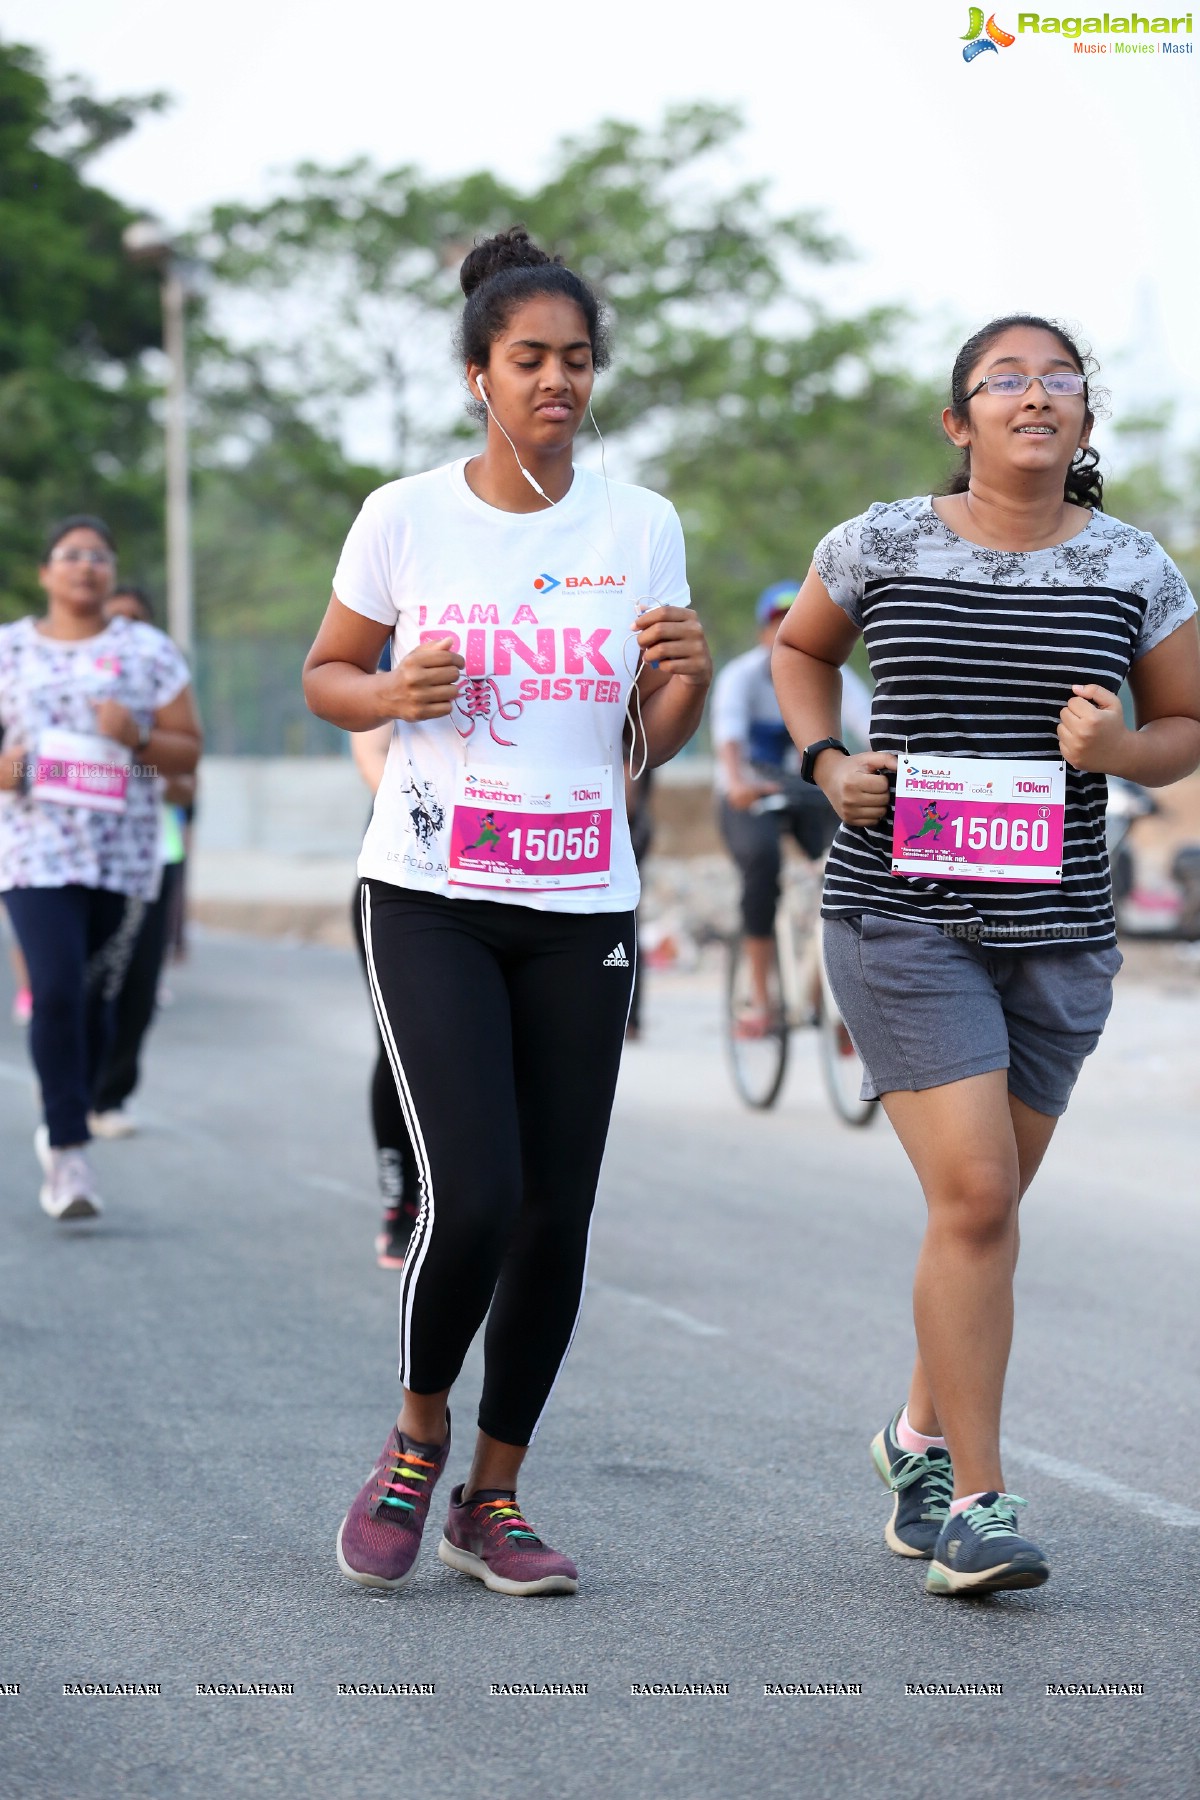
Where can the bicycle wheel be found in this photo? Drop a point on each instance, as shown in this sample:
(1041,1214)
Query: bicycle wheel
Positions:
(757,1057)
(841,1066)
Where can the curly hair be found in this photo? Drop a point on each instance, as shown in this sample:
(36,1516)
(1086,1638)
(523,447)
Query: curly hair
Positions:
(500,274)
(1084,485)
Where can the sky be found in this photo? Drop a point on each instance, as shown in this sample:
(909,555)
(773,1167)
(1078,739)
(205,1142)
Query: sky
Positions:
(1035,177)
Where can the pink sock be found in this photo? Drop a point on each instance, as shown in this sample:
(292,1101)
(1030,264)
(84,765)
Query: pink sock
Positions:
(957,1506)
(914,1441)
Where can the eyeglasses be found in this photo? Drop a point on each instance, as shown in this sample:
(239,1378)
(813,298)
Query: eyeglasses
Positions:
(99,559)
(1010,384)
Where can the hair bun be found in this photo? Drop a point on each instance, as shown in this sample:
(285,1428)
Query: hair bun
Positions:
(512,249)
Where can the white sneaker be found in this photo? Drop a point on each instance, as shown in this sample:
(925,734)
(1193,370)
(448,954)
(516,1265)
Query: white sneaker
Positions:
(69,1190)
(116,1123)
(41,1147)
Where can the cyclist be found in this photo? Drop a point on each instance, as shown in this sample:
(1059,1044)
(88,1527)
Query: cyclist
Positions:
(755,758)
(1000,620)
(91,710)
(520,608)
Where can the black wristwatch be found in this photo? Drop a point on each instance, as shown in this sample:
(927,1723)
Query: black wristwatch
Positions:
(813,751)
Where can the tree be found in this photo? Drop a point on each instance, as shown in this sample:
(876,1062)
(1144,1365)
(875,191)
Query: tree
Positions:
(764,420)
(77,431)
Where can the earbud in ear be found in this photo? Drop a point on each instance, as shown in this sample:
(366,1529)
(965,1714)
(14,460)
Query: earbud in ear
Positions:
(482,389)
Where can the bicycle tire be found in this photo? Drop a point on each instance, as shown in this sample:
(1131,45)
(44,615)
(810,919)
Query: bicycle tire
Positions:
(841,1067)
(758,1064)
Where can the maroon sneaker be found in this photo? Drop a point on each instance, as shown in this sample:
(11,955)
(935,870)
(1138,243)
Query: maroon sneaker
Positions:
(488,1538)
(379,1537)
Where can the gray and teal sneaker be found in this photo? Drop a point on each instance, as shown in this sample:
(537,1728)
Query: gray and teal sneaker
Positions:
(923,1485)
(979,1550)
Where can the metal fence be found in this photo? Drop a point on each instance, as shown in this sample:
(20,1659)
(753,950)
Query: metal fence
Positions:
(251,701)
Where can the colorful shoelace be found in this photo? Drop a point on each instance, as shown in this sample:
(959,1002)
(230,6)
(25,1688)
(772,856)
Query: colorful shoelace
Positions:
(506,1515)
(404,1468)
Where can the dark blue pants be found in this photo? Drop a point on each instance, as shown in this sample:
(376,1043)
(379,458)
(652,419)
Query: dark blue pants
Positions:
(137,1002)
(76,943)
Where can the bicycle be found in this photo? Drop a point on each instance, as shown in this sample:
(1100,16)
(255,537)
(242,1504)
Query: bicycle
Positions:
(798,996)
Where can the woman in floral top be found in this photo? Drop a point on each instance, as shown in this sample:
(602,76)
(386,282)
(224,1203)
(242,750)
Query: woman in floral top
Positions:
(91,715)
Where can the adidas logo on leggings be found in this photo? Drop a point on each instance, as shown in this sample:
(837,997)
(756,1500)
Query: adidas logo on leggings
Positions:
(616,959)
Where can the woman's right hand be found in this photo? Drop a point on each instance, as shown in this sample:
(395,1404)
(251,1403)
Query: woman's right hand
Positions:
(856,787)
(423,685)
(12,768)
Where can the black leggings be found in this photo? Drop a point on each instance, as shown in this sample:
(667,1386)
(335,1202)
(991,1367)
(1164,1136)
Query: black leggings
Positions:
(504,1027)
(395,1159)
(137,1001)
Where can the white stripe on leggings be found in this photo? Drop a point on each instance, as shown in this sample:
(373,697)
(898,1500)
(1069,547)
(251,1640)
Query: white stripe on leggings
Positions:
(423,1228)
(587,1252)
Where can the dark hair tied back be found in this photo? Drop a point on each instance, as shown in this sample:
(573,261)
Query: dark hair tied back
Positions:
(76,522)
(504,271)
(1084,485)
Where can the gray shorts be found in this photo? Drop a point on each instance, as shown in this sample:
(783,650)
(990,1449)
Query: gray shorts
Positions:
(925,1009)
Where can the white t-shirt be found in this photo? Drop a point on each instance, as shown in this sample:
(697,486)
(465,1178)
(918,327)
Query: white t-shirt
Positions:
(746,711)
(542,606)
(49,684)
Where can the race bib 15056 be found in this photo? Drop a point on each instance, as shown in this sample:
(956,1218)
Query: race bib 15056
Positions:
(532,830)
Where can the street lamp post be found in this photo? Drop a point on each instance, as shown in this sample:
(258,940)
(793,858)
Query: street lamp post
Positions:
(146,242)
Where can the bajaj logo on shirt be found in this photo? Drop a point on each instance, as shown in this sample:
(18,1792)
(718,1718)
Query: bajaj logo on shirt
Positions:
(546,583)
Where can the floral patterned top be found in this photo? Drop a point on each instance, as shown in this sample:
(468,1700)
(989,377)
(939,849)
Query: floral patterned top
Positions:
(48,683)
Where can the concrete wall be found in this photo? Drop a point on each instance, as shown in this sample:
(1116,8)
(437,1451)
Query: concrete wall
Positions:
(318,806)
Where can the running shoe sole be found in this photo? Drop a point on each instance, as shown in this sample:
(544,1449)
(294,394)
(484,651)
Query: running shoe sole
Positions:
(941,1580)
(78,1208)
(466,1564)
(364,1580)
(883,1469)
(113,1124)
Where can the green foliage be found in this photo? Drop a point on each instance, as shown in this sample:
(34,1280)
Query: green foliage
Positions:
(765,421)
(1160,490)
(76,426)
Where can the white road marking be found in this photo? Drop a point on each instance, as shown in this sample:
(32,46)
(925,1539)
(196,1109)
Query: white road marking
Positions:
(671,1314)
(1167,1512)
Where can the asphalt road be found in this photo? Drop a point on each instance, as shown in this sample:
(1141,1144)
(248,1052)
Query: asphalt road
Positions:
(195,1387)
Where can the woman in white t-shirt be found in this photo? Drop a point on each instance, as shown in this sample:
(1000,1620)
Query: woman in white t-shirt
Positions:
(91,713)
(522,596)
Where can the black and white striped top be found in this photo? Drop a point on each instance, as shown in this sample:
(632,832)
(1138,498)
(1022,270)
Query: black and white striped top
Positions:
(974,653)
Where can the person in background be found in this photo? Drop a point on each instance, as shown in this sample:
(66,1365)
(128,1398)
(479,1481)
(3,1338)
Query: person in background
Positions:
(641,836)
(138,998)
(22,1006)
(92,709)
(395,1159)
(755,758)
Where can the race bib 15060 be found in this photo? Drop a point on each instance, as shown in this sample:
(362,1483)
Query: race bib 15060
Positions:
(968,818)
(532,830)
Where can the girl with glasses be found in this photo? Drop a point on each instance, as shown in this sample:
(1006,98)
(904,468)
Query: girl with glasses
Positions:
(92,712)
(974,967)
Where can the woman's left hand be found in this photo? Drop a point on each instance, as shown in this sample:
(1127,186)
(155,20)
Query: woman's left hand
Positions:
(1091,728)
(116,721)
(673,638)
